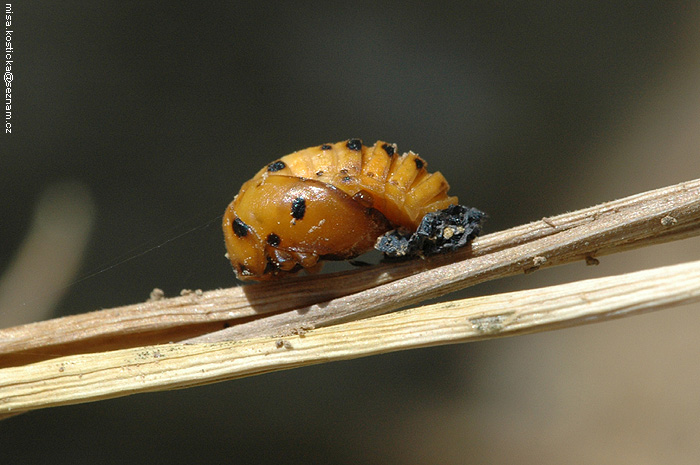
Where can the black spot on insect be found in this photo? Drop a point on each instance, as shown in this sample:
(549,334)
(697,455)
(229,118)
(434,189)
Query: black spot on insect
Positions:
(344,171)
(270,266)
(419,163)
(319,173)
(298,208)
(326,147)
(240,228)
(244,271)
(276,166)
(273,239)
(389,149)
(354,144)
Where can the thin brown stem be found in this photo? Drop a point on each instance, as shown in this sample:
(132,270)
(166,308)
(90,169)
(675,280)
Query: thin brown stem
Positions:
(91,377)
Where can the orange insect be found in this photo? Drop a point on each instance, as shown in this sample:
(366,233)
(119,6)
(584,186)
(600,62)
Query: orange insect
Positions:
(332,202)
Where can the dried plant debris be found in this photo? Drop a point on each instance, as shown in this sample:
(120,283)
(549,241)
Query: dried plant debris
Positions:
(439,232)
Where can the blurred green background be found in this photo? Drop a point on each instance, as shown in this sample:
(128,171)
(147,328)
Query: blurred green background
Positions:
(145,118)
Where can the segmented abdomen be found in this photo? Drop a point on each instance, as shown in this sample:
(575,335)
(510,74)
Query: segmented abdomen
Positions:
(399,187)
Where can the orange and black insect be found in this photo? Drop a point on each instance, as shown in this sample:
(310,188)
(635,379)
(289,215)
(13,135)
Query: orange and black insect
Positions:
(332,202)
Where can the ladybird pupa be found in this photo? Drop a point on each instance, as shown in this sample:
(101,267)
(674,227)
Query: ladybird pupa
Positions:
(329,202)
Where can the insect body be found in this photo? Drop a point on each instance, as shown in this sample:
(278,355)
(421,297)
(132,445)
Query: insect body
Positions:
(329,202)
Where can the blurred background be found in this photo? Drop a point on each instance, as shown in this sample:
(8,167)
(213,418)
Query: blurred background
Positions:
(135,124)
